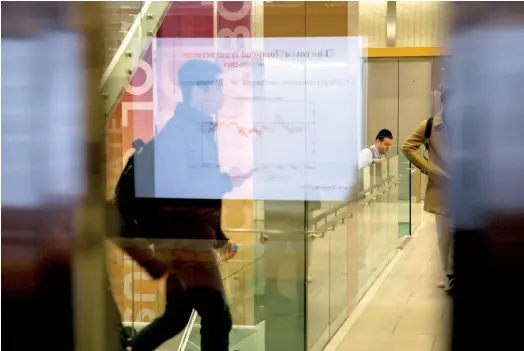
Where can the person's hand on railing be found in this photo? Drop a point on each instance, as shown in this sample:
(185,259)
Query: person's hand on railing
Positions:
(227,252)
(231,250)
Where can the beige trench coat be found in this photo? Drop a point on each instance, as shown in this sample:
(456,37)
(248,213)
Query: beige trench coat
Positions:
(436,168)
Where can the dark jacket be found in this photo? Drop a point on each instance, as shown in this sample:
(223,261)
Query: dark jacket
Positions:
(189,187)
(187,169)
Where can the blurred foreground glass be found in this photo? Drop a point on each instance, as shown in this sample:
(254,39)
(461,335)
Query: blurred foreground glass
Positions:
(45,114)
(485,118)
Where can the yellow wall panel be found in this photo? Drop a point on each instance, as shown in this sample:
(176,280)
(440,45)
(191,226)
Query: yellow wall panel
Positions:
(418,24)
(372,22)
(421,24)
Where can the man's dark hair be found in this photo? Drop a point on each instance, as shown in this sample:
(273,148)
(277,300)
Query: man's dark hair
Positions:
(197,72)
(384,133)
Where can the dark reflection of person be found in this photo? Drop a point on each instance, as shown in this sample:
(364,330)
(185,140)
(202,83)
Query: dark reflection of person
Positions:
(192,194)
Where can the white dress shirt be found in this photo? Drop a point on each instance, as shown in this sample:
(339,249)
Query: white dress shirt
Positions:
(367,156)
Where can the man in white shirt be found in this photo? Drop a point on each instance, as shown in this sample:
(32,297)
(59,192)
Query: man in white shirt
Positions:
(377,152)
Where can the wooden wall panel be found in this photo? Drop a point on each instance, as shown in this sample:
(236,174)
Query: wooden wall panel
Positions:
(309,18)
(284,19)
(326,18)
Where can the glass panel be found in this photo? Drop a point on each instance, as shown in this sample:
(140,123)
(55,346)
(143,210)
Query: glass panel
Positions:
(418,189)
(338,271)
(404,196)
(377,221)
(285,289)
(318,288)
(391,195)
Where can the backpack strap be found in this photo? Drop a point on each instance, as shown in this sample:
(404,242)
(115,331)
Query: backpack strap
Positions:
(427,137)
(427,132)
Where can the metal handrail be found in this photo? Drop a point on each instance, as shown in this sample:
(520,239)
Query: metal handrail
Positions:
(320,231)
(274,231)
(339,218)
(268,231)
(120,70)
(353,198)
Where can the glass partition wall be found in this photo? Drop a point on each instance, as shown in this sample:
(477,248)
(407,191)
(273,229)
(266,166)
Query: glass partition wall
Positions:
(302,266)
(304,280)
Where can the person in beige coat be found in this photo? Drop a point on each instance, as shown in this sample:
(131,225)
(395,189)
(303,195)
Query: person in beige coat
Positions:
(432,162)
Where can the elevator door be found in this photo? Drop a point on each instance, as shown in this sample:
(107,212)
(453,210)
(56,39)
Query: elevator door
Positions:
(415,105)
(399,97)
(382,99)
(414,95)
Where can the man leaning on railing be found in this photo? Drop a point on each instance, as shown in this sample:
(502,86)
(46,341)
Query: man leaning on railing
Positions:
(376,152)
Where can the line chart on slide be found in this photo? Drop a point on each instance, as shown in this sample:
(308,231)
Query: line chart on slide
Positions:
(270,142)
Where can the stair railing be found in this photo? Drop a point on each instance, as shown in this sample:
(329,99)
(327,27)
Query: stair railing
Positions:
(118,73)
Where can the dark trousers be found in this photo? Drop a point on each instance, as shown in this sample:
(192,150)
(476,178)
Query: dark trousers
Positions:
(208,301)
(488,304)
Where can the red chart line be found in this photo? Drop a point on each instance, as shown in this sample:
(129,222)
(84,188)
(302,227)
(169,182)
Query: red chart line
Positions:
(247,131)
(240,129)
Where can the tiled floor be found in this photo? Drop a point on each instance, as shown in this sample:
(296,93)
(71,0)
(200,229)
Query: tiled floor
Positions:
(408,312)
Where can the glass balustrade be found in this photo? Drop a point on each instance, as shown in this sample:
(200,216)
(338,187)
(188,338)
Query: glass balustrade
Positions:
(294,282)
(405,199)
(418,191)
(352,244)
(376,220)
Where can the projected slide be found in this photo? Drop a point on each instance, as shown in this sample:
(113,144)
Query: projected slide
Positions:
(278,119)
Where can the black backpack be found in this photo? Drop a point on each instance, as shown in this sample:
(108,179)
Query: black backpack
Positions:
(135,199)
(138,174)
